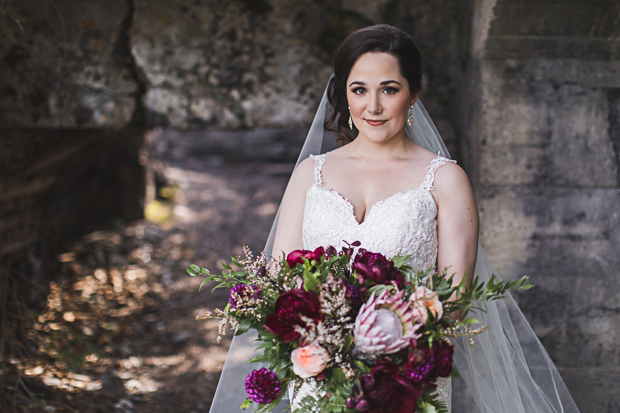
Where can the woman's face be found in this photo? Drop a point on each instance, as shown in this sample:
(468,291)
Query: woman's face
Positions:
(378,96)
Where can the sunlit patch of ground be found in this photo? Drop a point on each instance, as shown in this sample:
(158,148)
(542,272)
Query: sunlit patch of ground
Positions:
(118,331)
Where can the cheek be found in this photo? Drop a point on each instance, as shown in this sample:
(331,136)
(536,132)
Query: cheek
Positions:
(402,107)
(357,107)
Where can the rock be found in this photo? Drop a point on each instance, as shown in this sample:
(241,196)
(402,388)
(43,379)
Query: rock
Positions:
(35,388)
(112,386)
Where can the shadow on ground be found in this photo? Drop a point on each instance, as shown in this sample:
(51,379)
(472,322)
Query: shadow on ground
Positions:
(118,331)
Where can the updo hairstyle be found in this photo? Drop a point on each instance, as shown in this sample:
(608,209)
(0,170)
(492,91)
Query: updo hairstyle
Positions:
(379,38)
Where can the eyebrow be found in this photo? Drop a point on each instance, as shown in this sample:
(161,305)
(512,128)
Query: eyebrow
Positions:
(385,82)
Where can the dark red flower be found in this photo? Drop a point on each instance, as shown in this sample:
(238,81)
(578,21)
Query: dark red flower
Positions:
(420,366)
(376,268)
(444,352)
(289,306)
(330,252)
(297,256)
(385,390)
(353,297)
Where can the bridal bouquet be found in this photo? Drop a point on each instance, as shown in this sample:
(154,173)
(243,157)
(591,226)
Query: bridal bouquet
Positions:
(363,332)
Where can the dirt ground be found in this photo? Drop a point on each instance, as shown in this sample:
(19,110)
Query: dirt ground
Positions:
(118,332)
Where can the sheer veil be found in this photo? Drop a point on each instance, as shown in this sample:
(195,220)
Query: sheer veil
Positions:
(506,371)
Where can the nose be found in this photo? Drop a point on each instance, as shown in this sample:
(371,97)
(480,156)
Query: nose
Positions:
(374,103)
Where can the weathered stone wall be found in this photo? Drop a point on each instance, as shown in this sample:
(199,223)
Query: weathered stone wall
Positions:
(66,65)
(71,128)
(188,65)
(543,134)
(242,64)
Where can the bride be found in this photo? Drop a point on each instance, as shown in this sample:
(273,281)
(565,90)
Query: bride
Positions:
(387,187)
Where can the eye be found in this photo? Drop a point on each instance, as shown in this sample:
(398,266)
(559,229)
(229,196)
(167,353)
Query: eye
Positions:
(359,90)
(390,90)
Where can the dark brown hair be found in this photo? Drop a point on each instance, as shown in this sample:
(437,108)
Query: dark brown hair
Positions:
(379,38)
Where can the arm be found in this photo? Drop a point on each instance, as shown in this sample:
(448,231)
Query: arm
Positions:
(289,229)
(457,223)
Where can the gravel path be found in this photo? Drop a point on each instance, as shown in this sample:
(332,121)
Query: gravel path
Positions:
(118,332)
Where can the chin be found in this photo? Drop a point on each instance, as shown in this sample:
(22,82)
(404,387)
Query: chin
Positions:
(378,136)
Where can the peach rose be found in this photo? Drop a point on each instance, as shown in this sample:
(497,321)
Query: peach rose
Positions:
(426,299)
(309,361)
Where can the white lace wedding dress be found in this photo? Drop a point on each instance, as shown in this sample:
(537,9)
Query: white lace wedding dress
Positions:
(403,224)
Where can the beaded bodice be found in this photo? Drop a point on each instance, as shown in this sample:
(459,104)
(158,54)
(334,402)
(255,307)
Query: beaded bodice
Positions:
(402,224)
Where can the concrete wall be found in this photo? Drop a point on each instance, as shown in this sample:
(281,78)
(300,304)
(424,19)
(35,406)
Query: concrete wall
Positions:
(543,138)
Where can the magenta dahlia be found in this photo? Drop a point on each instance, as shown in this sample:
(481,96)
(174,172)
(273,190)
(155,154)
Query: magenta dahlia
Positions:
(243,291)
(262,386)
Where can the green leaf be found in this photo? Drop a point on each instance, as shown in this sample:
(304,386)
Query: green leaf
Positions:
(361,366)
(311,282)
(470,320)
(280,374)
(191,272)
(203,283)
(266,344)
(338,375)
(243,326)
(400,260)
(247,404)
(348,340)
(195,268)
(379,289)
(262,358)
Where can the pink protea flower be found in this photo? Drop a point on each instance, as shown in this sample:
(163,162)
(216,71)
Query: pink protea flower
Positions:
(385,324)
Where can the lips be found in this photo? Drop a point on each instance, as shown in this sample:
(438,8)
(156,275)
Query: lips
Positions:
(375,122)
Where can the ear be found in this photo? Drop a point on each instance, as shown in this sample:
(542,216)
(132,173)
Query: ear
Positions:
(414,99)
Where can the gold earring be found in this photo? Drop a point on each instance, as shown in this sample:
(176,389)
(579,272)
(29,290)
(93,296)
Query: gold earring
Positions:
(410,118)
(350,120)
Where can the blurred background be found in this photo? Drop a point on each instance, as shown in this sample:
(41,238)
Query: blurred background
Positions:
(137,137)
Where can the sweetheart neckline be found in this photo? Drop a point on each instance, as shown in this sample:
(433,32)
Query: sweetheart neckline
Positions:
(378,203)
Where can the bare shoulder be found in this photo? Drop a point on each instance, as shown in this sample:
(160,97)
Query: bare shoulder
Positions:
(303,175)
(451,181)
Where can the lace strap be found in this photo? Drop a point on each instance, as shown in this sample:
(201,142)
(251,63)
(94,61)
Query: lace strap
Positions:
(319,160)
(431,169)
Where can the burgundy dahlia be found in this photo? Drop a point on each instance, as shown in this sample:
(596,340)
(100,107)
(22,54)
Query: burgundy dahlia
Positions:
(384,390)
(261,272)
(297,256)
(353,297)
(243,290)
(262,386)
(376,268)
(289,306)
(444,352)
(420,365)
